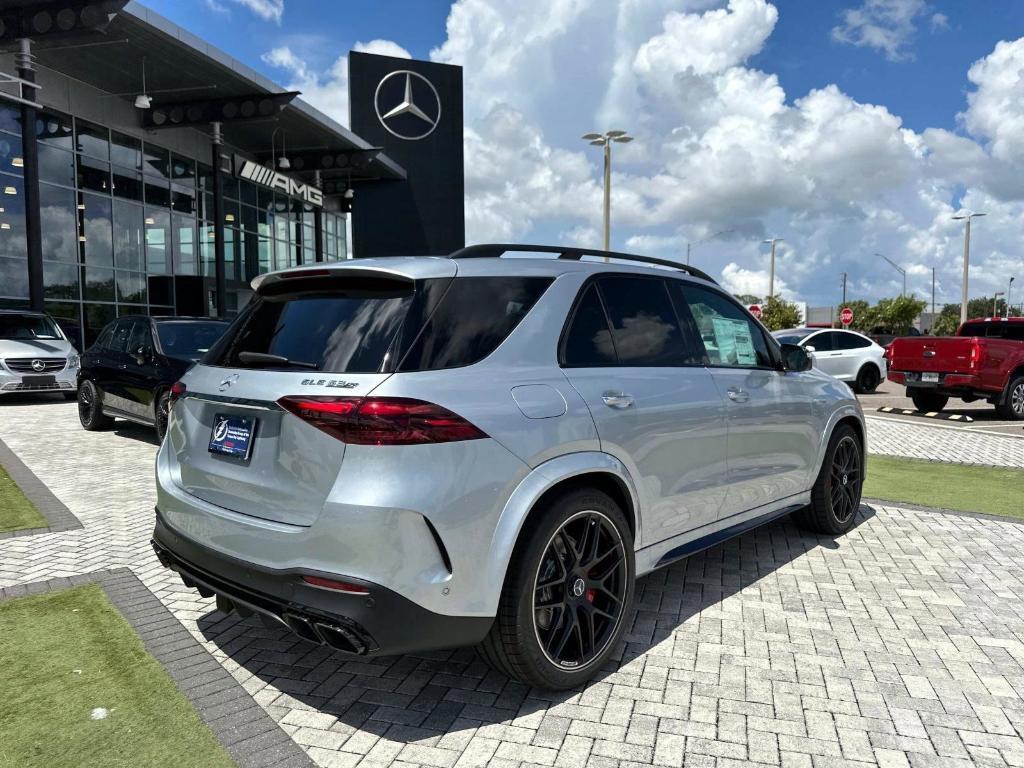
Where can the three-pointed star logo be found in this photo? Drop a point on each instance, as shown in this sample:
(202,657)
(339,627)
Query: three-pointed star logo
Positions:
(426,115)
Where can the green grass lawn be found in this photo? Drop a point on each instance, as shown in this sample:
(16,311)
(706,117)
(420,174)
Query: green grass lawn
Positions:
(16,511)
(994,490)
(65,654)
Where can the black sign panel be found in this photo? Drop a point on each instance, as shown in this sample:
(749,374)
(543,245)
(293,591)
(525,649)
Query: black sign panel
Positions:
(413,109)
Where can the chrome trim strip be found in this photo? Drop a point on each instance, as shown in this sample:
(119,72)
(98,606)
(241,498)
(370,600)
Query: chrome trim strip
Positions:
(238,402)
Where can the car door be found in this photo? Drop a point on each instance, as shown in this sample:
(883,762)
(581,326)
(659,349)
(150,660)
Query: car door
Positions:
(851,353)
(826,356)
(111,360)
(655,405)
(140,373)
(772,438)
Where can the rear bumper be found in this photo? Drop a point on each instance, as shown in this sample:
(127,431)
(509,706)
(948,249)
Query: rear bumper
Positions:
(376,624)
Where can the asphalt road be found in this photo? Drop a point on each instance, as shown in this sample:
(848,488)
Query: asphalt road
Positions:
(983,415)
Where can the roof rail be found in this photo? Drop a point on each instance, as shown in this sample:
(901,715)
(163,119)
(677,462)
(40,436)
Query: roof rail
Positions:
(496,250)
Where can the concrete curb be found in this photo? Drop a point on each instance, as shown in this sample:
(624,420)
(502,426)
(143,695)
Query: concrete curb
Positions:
(57,515)
(247,732)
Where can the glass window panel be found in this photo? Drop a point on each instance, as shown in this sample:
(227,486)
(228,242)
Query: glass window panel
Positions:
(60,280)
(128,236)
(157,193)
(69,317)
(93,174)
(264,222)
(186,262)
(204,177)
(131,287)
(11,158)
(155,161)
(56,165)
(230,186)
(126,150)
(183,199)
(730,337)
(265,255)
(99,284)
(12,219)
(161,289)
(10,119)
(14,277)
(281,228)
(158,241)
(127,183)
(54,130)
(97,316)
(247,193)
(308,255)
(96,232)
(92,140)
(183,169)
(249,218)
(59,217)
(232,216)
(265,198)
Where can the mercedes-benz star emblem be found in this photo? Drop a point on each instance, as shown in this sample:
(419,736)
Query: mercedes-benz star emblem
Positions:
(407,105)
(578,587)
(228,382)
(38,365)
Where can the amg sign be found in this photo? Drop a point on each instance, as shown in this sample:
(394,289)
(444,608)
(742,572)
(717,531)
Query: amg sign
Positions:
(268,177)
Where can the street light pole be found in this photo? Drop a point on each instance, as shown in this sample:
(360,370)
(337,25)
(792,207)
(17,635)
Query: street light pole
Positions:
(1009,290)
(967,260)
(899,269)
(605,140)
(771,268)
(995,302)
(844,289)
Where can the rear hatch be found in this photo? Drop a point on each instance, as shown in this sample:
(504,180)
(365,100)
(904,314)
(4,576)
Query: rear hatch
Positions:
(934,354)
(325,333)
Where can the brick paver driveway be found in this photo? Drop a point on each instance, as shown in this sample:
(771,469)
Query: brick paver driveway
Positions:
(902,642)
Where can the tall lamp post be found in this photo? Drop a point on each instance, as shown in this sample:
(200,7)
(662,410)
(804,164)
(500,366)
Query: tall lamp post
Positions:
(995,302)
(605,140)
(966,217)
(771,268)
(1009,290)
(899,269)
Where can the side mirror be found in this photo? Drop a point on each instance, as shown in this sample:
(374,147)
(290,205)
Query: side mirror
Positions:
(795,358)
(809,349)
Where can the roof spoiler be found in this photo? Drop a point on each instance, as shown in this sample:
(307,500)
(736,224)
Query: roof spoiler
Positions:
(497,250)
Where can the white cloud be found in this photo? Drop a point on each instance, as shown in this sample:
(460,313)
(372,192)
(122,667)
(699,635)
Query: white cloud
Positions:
(886,25)
(270,10)
(754,282)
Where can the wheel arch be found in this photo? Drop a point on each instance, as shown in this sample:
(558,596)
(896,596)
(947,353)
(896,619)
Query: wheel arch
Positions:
(1018,371)
(590,469)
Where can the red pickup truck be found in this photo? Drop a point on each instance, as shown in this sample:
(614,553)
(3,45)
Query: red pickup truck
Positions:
(984,361)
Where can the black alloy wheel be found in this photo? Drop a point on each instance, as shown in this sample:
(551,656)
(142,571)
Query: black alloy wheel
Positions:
(844,480)
(90,409)
(580,590)
(163,414)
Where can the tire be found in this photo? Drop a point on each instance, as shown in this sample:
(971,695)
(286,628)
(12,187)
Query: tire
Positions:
(929,401)
(835,497)
(561,645)
(90,408)
(161,413)
(868,379)
(1011,407)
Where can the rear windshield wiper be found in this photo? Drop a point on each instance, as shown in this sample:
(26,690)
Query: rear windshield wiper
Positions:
(262,358)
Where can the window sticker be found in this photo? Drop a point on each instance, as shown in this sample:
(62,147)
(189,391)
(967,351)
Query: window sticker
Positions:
(735,345)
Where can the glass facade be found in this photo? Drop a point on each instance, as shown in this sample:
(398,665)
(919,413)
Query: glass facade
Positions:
(126,224)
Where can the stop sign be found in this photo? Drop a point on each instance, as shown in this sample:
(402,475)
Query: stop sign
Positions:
(755,310)
(846,315)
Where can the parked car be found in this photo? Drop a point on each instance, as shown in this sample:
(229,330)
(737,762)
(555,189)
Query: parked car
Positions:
(884,337)
(35,355)
(847,355)
(128,372)
(394,455)
(984,361)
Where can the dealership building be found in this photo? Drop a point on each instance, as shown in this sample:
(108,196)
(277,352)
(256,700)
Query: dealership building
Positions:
(144,171)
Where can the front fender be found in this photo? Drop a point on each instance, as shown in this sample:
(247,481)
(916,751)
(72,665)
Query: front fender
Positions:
(523,499)
(843,411)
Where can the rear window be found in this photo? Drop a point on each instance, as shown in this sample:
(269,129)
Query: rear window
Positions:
(374,325)
(190,339)
(995,330)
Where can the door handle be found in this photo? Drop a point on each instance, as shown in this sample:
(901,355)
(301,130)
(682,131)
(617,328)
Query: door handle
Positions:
(617,400)
(738,395)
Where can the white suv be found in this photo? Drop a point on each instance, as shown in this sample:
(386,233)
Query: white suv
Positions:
(35,355)
(393,455)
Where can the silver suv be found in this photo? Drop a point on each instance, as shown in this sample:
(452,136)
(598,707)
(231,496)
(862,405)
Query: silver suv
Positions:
(35,355)
(404,454)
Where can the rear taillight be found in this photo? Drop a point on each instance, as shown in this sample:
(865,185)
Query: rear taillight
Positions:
(381,420)
(975,352)
(177,390)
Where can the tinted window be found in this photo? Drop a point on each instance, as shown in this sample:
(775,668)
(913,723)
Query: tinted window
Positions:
(823,342)
(791,337)
(122,331)
(189,339)
(588,342)
(141,337)
(996,330)
(850,341)
(730,337)
(645,329)
(475,315)
(27,327)
(105,336)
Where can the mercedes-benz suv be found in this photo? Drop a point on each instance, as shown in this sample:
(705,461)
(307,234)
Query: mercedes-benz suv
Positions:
(394,455)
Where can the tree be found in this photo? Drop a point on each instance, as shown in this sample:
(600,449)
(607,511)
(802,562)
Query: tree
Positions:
(949,318)
(777,314)
(898,315)
(747,298)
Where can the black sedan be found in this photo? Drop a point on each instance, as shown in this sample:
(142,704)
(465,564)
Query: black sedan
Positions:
(128,372)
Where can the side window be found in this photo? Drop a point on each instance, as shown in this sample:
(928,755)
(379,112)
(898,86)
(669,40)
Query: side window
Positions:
(106,336)
(730,337)
(645,329)
(822,342)
(851,341)
(141,337)
(119,341)
(588,342)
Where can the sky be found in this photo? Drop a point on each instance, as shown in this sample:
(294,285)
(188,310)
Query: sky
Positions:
(848,128)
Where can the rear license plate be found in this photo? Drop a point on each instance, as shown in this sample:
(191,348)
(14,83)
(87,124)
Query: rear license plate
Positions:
(932,377)
(232,435)
(38,381)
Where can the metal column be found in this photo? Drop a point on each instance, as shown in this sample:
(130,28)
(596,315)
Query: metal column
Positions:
(220,278)
(30,157)
(318,225)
